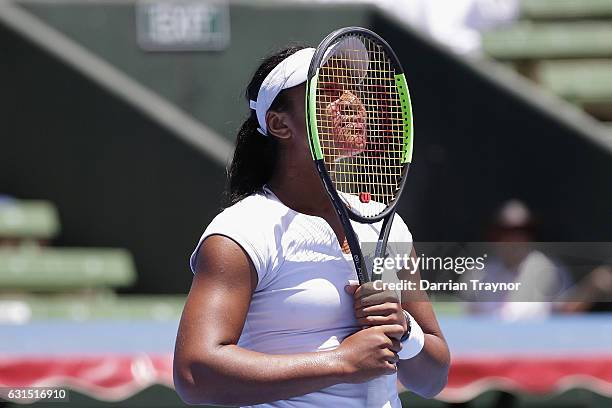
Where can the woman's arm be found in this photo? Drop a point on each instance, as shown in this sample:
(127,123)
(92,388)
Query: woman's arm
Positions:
(210,368)
(426,373)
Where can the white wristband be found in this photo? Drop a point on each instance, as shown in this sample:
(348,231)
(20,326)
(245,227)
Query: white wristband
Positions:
(415,341)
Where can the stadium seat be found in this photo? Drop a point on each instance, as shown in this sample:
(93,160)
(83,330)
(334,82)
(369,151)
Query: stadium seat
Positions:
(561,9)
(528,40)
(32,268)
(28,219)
(97,306)
(578,81)
(565,46)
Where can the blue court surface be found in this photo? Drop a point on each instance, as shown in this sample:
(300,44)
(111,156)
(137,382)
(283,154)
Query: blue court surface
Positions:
(590,334)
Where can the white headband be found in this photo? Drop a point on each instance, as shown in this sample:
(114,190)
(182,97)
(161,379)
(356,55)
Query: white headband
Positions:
(291,72)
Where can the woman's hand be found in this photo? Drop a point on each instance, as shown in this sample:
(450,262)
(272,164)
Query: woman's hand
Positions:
(377,307)
(370,353)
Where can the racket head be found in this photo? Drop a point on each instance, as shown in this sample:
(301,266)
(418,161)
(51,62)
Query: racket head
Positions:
(359,122)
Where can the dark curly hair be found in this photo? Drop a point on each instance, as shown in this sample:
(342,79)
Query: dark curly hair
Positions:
(255,154)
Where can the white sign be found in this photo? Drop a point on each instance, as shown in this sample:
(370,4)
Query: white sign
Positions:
(182,25)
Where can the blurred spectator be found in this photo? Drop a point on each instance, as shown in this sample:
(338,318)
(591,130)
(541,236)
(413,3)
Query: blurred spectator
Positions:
(456,24)
(515,260)
(592,293)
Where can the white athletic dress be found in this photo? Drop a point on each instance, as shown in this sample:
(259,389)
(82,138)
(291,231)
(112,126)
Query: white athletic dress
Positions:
(299,304)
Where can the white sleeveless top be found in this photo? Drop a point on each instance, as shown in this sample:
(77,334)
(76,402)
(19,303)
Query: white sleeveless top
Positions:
(299,304)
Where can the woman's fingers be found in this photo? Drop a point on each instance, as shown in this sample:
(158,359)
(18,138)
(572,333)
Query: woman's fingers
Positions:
(367,295)
(376,320)
(384,309)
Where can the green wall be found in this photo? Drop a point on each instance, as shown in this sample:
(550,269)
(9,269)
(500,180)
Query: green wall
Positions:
(207,85)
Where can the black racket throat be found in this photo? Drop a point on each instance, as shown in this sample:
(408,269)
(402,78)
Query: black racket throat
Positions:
(345,214)
(364,272)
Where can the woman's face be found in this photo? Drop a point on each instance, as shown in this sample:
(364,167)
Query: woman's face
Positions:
(346,115)
(343,119)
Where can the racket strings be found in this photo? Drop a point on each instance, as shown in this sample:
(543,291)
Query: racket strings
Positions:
(360,125)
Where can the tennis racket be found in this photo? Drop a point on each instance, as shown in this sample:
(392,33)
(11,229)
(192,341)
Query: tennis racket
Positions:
(360,128)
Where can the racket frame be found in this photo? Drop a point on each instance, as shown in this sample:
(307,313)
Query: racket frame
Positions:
(346,214)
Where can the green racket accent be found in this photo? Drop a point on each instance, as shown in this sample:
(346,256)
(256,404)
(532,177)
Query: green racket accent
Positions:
(402,87)
(311,120)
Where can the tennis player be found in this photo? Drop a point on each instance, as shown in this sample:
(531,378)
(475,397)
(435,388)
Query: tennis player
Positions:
(272,318)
